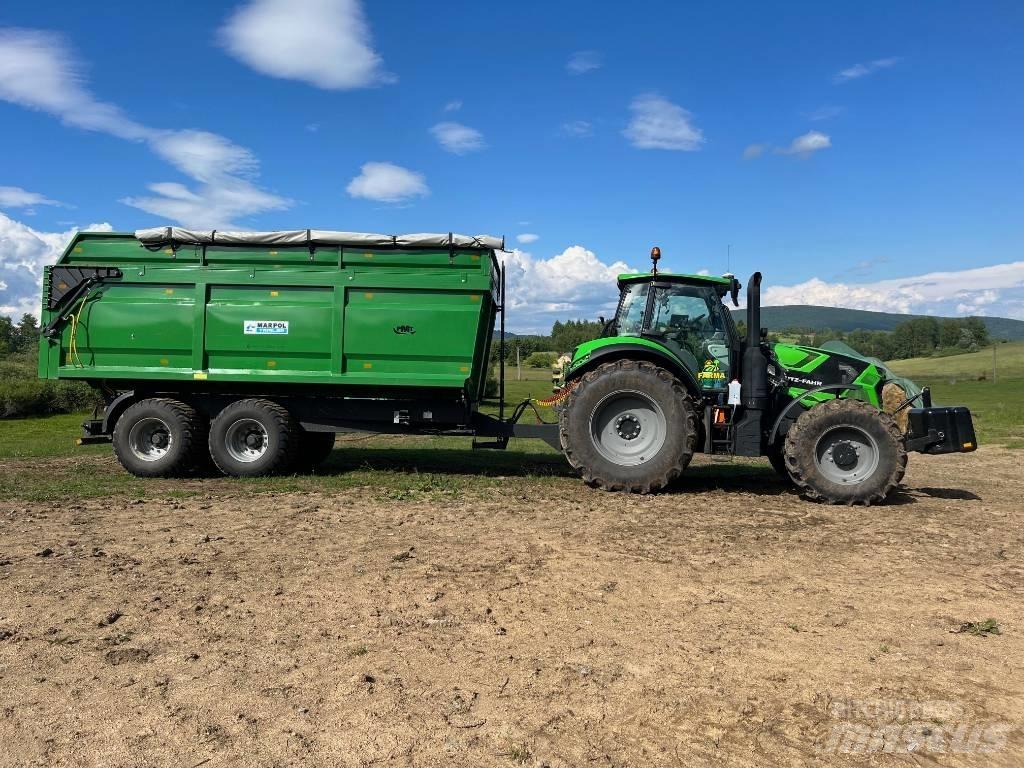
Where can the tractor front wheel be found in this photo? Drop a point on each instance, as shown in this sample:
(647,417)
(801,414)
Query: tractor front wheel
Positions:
(628,426)
(845,452)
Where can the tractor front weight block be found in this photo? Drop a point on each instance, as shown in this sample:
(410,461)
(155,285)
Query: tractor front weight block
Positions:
(939,430)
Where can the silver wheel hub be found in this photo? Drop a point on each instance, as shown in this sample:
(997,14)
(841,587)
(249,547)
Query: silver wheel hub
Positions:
(628,428)
(846,455)
(150,439)
(246,440)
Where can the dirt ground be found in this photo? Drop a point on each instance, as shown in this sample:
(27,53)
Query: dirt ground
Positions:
(726,623)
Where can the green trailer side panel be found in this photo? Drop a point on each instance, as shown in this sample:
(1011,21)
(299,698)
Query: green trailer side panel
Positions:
(387,332)
(384,317)
(265,330)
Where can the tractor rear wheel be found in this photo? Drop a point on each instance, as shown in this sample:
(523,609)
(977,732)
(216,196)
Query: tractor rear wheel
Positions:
(628,426)
(845,452)
(253,437)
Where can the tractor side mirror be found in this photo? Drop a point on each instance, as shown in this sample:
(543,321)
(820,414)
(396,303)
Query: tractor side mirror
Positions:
(600,319)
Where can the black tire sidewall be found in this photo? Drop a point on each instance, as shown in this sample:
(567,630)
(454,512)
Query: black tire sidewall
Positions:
(178,458)
(674,453)
(802,441)
(280,437)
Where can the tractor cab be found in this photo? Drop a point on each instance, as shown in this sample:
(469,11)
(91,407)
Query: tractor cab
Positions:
(686,315)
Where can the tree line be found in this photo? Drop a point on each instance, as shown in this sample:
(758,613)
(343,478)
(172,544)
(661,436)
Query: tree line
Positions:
(20,337)
(917,337)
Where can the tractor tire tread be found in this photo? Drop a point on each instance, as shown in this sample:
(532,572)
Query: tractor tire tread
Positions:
(649,485)
(807,423)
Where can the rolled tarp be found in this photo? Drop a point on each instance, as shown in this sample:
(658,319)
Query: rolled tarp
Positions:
(315,237)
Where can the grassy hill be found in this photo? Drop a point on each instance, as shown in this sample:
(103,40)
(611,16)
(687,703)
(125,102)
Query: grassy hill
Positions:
(970,365)
(838,319)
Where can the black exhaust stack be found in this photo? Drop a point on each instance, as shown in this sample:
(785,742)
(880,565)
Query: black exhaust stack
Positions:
(754,390)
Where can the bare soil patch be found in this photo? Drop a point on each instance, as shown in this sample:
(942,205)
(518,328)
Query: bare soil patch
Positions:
(725,623)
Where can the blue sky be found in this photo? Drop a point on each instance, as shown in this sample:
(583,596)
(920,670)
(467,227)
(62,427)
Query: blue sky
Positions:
(866,156)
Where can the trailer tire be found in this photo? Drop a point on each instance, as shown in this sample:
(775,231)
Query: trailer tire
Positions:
(845,451)
(616,404)
(252,438)
(158,437)
(314,449)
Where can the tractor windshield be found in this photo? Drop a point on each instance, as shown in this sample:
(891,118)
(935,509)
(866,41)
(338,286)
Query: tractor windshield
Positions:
(629,320)
(689,320)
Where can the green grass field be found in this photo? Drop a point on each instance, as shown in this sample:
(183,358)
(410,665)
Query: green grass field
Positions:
(1009,360)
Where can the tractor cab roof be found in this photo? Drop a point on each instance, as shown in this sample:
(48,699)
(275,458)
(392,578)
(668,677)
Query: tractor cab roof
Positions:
(674,277)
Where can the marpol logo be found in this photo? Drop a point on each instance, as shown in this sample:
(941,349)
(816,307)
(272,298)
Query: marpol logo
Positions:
(404,329)
(264,327)
(711,373)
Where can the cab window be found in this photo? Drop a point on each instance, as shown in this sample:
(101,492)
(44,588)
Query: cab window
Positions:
(688,319)
(630,317)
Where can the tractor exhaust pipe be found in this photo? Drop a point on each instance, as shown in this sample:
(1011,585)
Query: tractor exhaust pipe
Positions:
(754,310)
(754,393)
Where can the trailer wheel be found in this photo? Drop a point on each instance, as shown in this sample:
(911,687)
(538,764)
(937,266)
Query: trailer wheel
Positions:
(628,426)
(158,437)
(845,452)
(251,438)
(314,450)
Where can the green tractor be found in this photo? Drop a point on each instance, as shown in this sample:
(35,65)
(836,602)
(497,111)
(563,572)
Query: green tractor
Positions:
(671,376)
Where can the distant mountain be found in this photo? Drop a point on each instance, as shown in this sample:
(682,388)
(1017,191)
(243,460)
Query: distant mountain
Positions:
(820,318)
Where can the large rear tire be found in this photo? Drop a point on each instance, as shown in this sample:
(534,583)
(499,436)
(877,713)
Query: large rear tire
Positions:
(251,438)
(628,426)
(158,437)
(845,452)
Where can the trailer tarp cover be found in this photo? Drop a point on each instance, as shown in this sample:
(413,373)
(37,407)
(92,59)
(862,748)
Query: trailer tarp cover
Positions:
(315,237)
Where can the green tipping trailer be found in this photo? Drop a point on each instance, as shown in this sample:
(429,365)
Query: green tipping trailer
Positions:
(253,349)
(343,330)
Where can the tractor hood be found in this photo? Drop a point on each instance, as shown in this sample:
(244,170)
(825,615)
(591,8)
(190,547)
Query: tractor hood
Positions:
(835,362)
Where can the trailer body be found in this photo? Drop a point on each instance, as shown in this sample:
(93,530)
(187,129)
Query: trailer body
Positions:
(356,318)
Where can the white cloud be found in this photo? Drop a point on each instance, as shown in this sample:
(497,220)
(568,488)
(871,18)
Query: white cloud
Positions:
(527,237)
(453,106)
(659,124)
(387,183)
(16,197)
(326,43)
(753,151)
(806,145)
(825,113)
(37,72)
(582,62)
(577,128)
(23,254)
(993,290)
(858,71)
(457,138)
(571,284)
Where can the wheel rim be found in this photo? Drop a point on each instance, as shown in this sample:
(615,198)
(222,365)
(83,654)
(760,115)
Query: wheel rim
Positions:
(246,440)
(150,439)
(628,428)
(846,455)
